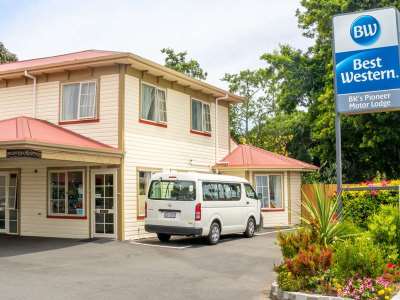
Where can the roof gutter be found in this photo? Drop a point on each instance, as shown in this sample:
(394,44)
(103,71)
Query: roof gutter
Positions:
(34,91)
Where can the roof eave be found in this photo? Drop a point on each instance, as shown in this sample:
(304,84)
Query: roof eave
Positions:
(265,168)
(128,59)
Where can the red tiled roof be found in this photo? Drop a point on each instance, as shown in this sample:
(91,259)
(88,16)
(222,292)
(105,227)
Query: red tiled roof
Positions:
(25,129)
(64,58)
(247,156)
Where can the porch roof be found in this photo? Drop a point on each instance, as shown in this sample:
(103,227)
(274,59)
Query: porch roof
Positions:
(250,157)
(25,132)
(26,129)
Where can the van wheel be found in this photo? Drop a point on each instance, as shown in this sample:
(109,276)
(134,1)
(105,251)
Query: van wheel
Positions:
(163,237)
(215,234)
(251,228)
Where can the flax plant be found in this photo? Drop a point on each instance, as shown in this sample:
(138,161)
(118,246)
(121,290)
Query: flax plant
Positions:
(322,217)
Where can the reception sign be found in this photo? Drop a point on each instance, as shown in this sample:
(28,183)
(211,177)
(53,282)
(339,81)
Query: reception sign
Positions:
(367,68)
(24,153)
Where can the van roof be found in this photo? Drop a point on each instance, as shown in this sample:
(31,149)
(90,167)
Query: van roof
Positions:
(194,176)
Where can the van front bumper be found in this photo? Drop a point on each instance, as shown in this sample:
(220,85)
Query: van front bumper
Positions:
(173,230)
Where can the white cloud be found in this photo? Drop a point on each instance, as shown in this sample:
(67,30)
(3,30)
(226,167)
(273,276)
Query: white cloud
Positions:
(225,36)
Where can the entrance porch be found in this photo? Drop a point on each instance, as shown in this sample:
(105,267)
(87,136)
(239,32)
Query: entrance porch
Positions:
(50,189)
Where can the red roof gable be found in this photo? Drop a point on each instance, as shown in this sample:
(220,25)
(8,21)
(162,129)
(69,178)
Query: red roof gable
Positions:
(247,156)
(25,129)
(64,58)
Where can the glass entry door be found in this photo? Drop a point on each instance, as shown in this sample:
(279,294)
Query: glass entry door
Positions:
(104,203)
(8,203)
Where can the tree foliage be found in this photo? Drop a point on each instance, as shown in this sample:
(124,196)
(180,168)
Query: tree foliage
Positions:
(257,106)
(179,62)
(305,83)
(5,55)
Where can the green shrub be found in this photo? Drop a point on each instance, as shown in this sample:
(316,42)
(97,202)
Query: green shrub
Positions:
(384,228)
(359,256)
(360,205)
(322,217)
(307,270)
(293,241)
(286,280)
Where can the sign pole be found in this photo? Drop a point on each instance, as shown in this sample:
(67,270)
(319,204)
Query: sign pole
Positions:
(338,162)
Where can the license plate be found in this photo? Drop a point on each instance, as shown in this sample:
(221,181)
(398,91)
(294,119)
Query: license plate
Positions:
(170,214)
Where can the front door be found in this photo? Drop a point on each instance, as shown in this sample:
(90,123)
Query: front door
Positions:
(8,203)
(104,203)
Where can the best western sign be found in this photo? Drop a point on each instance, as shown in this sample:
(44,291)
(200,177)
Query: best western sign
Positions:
(367,69)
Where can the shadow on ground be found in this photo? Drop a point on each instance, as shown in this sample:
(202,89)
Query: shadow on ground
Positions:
(16,245)
(186,242)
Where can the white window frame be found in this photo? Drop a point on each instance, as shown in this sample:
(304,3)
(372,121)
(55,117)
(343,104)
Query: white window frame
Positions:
(203,129)
(141,117)
(49,198)
(95,115)
(268,192)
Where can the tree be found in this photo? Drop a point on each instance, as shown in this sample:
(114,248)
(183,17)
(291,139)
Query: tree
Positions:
(257,89)
(178,61)
(5,55)
(305,83)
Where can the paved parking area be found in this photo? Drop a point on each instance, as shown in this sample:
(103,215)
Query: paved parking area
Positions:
(185,268)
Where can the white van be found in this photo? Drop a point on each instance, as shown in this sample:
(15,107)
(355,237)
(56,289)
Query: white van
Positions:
(196,204)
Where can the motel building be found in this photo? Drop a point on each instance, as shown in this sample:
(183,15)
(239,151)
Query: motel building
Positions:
(81,134)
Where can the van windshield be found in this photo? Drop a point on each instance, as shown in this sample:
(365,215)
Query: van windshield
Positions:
(172,190)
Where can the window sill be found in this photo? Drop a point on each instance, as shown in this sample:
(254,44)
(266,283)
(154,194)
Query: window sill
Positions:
(203,133)
(159,124)
(272,209)
(67,217)
(78,121)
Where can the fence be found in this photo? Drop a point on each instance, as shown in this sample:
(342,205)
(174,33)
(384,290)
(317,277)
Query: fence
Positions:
(308,191)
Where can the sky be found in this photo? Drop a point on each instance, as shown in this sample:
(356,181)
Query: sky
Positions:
(225,36)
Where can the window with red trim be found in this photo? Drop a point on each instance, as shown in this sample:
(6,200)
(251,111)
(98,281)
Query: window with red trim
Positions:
(269,191)
(201,118)
(66,193)
(153,105)
(78,101)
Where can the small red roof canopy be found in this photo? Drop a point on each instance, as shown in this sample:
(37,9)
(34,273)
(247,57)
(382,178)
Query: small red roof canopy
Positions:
(250,157)
(29,130)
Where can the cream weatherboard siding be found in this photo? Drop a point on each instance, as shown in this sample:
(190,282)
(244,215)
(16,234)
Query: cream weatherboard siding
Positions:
(33,201)
(292,203)
(171,148)
(18,101)
(106,130)
(295,197)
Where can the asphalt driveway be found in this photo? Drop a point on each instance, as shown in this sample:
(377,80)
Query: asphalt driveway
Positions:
(39,268)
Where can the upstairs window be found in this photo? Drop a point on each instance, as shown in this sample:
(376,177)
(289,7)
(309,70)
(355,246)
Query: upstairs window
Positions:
(78,101)
(153,104)
(201,119)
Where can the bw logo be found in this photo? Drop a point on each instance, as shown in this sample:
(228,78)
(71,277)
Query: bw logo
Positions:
(365,30)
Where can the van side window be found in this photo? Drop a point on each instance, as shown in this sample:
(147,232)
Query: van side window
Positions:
(250,193)
(221,191)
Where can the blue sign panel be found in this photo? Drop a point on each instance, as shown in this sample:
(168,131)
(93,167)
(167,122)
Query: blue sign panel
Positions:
(367,61)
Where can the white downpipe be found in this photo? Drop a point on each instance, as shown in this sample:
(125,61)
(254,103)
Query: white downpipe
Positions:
(34,91)
(216,125)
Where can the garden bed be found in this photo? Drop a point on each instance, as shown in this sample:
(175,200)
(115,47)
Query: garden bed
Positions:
(278,294)
(338,258)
